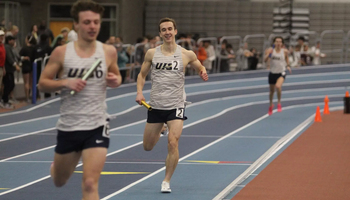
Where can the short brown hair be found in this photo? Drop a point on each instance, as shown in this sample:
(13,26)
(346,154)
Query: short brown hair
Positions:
(85,5)
(167,20)
(278,37)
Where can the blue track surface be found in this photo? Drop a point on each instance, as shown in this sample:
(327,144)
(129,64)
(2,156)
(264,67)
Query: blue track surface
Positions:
(226,133)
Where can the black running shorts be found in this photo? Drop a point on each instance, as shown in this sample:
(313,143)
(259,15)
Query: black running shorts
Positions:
(70,141)
(274,77)
(162,116)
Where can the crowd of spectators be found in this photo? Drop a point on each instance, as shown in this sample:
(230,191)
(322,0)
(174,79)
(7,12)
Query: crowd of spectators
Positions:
(17,56)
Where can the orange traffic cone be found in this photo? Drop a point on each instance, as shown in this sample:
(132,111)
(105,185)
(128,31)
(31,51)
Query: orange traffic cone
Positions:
(326,108)
(318,115)
(347,103)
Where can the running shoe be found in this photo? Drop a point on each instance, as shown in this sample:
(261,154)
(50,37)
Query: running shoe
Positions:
(279,108)
(165,187)
(270,110)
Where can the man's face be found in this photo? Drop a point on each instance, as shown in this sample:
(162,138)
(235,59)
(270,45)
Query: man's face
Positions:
(15,31)
(167,31)
(1,38)
(65,34)
(89,25)
(278,43)
(301,42)
(12,42)
(112,40)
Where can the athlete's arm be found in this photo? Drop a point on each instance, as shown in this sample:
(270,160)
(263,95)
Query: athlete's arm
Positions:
(196,64)
(114,79)
(287,60)
(53,67)
(141,78)
(267,54)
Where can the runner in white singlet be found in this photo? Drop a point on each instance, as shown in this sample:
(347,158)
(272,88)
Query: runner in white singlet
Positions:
(279,61)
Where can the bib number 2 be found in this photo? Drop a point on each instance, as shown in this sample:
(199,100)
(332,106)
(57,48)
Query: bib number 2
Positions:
(105,132)
(180,112)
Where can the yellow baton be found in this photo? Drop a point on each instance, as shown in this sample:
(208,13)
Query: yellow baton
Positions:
(146,105)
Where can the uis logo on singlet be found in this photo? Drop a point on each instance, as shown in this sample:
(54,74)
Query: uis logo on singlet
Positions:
(79,73)
(275,58)
(173,66)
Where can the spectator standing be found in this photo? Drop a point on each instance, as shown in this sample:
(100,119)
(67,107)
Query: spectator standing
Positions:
(2,57)
(10,66)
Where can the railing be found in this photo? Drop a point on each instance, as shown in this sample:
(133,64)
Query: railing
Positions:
(34,84)
(214,42)
(347,46)
(341,51)
(263,36)
(306,33)
(267,42)
(222,39)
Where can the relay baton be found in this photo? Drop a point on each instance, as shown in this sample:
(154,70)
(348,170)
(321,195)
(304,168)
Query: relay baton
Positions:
(89,72)
(146,105)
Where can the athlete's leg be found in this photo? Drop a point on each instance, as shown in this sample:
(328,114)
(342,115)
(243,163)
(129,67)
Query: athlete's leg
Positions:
(279,83)
(93,162)
(272,92)
(151,135)
(63,167)
(26,79)
(175,130)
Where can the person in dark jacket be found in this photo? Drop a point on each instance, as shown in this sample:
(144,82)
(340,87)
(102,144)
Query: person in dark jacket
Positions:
(27,54)
(10,66)
(42,50)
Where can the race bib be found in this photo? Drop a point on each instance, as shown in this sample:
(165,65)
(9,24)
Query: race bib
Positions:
(105,132)
(180,112)
(175,65)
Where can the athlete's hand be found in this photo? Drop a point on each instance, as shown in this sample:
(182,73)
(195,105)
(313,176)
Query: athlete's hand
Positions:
(203,74)
(289,69)
(112,80)
(18,68)
(75,84)
(139,98)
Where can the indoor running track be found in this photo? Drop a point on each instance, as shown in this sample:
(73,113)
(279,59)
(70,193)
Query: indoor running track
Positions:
(227,139)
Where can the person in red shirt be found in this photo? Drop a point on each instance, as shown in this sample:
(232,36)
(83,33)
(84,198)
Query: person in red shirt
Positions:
(2,56)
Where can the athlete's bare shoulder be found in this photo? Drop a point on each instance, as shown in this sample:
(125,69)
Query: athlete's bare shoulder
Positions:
(149,54)
(188,54)
(109,49)
(58,53)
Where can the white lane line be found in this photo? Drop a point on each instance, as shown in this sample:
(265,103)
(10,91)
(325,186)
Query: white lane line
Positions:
(259,71)
(266,86)
(197,93)
(201,149)
(265,78)
(139,143)
(186,86)
(193,104)
(267,155)
(139,163)
(25,154)
(27,134)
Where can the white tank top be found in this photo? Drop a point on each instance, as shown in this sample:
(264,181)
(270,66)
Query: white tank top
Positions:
(85,110)
(168,80)
(278,62)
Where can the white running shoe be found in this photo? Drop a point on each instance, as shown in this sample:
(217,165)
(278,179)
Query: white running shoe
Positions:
(165,187)
(164,130)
